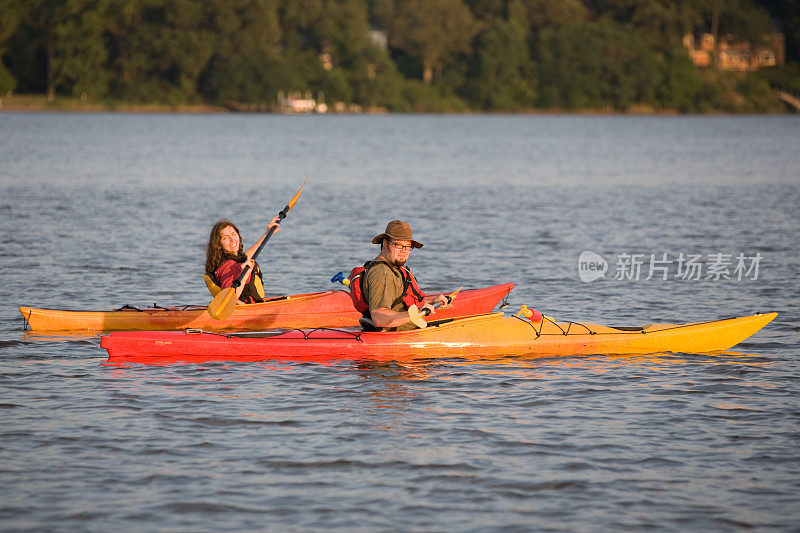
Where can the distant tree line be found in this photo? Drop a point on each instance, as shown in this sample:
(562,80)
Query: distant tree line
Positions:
(440,55)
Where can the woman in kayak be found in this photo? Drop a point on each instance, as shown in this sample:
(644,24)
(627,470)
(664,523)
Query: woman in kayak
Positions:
(225,260)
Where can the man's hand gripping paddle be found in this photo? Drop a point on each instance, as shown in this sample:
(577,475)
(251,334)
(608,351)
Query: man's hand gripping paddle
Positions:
(417,317)
(224,303)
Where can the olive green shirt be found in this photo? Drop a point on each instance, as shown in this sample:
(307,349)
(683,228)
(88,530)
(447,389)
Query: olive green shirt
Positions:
(382,286)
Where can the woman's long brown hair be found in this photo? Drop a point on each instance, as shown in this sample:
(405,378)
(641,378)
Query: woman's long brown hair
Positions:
(215,255)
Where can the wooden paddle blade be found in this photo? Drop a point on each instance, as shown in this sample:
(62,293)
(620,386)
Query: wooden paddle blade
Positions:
(453,294)
(223,304)
(293,201)
(415,317)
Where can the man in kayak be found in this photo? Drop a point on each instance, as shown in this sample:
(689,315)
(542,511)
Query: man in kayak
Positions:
(225,261)
(388,287)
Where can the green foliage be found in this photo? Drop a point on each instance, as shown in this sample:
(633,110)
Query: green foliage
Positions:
(7,81)
(253,79)
(569,68)
(542,14)
(682,86)
(433,32)
(487,10)
(662,22)
(425,98)
(79,53)
(785,78)
(377,82)
(246,66)
(247,26)
(757,96)
(12,12)
(595,65)
(161,49)
(743,19)
(503,55)
(502,76)
(336,86)
(344,30)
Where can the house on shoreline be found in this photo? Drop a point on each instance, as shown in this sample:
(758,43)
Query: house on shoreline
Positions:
(736,55)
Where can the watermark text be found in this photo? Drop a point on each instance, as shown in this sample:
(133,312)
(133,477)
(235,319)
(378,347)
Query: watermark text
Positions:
(665,266)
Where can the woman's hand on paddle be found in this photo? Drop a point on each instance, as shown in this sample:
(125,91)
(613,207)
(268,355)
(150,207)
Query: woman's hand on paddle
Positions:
(249,263)
(444,300)
(274,223)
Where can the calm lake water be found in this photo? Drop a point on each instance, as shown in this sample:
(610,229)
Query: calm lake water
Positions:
(103,210)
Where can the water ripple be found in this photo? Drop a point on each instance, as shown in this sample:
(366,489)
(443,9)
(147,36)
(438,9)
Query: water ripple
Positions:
(116,210)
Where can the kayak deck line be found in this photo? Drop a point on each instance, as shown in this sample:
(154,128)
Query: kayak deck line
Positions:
(187,307)
(305,332)
(556,324)
(156,307)
(621,330)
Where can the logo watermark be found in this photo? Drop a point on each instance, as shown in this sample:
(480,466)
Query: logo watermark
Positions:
(591,266)
(665,266)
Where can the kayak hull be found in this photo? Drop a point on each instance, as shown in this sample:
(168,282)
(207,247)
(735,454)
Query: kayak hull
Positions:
(483,335)
(313,310)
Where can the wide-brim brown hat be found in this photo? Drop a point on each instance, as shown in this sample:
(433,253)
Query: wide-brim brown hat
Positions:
(397,230)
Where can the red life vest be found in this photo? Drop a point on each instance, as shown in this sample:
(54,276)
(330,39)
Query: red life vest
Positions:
(412,294)
(230,270)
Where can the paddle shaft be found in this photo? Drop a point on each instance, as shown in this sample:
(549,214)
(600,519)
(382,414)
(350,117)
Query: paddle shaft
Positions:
(416,316)
(246,269)
(449,297)
(427,310)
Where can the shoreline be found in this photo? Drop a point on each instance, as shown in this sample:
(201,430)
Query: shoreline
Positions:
(39,103)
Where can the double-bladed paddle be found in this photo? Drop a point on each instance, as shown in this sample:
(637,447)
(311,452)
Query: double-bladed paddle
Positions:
(224,303)
(417,317)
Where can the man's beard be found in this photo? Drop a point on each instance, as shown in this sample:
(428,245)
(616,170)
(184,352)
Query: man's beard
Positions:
(399,263)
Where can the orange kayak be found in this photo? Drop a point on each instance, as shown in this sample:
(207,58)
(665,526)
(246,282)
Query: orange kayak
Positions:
(482,335)
(312,310)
